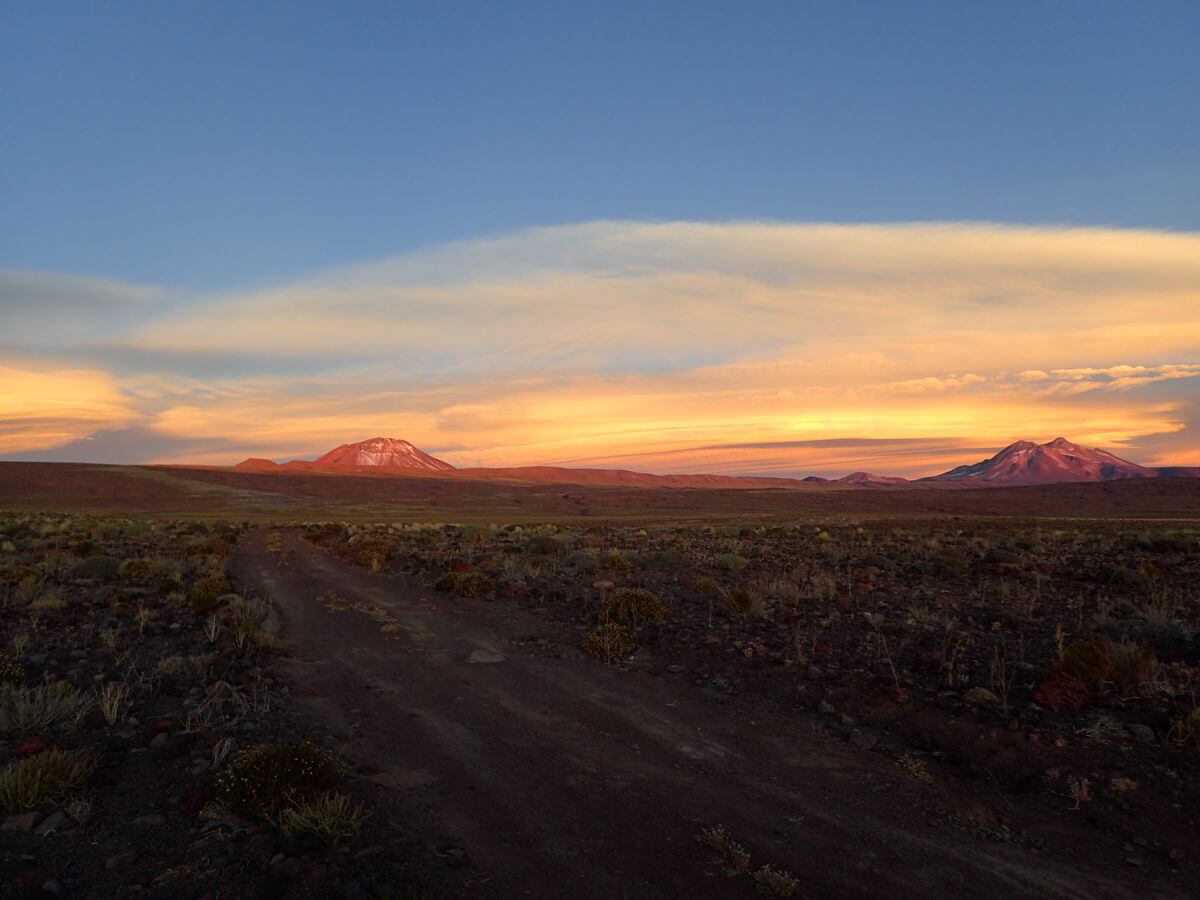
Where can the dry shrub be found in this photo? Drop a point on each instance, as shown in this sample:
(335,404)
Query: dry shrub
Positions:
(1101,665)
(49,777)
(1185,732)
(328,817)
(465,584)
(11,671)
(772,882)
(609,642)
(47,708)
(207,592)
(634,605)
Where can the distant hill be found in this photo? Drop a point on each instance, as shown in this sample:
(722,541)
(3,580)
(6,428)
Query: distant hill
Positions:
(1055,462)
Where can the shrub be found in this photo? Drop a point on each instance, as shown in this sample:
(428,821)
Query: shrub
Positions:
(465,584)
(609,642)
(96,568)
(772,882)
(1185,732)
(49,777)
(136,569)
(544,545)
(207,592)
(53,707)
(329,817)
(732,561)
(634,605)
(1103,665)
(262,782)
(11,671)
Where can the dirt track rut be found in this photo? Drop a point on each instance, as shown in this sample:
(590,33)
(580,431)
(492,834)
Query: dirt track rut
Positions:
(562,777)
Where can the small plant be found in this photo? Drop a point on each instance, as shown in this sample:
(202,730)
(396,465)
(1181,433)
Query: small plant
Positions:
(1102,665)
(263,781)
(328,817)
(718,839)
(47,708)
(916,768)
(1079,790)
(11,671)
(634,605)
(772,882)
(609,642)
(50,601)
(1185,732)
(744,601)
(222,750)
(111,699)
(732,562)
(212,629)
(49,777)
(143,618)
(465,584)
(206,594)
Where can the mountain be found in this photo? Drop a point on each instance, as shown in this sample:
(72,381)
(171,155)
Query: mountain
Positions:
(1026,463)
(381,451)
(869,478)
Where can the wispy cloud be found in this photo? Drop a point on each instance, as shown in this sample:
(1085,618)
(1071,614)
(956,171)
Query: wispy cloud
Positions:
(615,342)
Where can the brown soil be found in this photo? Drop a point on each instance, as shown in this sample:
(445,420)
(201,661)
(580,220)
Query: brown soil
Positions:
(560,776)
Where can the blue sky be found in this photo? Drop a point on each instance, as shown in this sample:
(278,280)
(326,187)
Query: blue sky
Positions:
(209,145)
(773,238)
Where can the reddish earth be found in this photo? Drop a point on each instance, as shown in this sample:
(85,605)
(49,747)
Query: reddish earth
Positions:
(560,776)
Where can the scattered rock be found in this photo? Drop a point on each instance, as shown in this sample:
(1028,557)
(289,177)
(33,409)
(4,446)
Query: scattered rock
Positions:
(33,745)
(485,656)
(52,823)
(52,886)
(863,741)
(826,708)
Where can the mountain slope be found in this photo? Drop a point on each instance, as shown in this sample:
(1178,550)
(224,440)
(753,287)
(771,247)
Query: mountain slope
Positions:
(380,451)
(1025,463)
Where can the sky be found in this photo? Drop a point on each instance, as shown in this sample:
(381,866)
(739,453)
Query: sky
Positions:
(777,238)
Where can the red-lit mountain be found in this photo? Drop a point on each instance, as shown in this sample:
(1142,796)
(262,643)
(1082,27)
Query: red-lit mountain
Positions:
(381,451)
(1025,463)
(870,478)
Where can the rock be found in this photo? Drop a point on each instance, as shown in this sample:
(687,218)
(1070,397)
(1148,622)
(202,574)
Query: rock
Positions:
(159,740)
(154,819)
(52,823)
(846,720)
(23,822)
(52,886)
(826,708)
(485,656)
(1143,734)
(118,860)
(675,668)
(33,745)
(456,857)
(863,741)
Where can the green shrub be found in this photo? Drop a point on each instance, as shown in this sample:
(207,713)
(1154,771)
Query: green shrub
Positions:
(732,561)
(544,545)
(262,782)
(634,605)
(96,568)
(47,708)
(609,642)
(49,777)
(11,671)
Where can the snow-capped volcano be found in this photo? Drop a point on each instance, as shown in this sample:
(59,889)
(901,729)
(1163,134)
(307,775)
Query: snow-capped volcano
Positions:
(1059,460)
(383,451)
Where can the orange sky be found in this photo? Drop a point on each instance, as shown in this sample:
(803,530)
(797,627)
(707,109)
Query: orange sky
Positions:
(742,347)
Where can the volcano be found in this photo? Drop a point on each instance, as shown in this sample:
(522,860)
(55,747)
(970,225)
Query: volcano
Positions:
(381,451)
(1027,463)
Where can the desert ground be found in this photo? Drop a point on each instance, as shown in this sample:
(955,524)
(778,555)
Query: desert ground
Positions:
(231,684)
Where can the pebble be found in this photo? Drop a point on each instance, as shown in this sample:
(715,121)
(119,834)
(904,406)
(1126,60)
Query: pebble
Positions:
(1142,733)
(826,708)
(154,819)
(863,741)
(485,656)
(21,822)
(52,886)
(159,740)
(52,823)
(121,859)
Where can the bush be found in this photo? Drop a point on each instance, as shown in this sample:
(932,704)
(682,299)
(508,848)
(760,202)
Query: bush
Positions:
(97,568)
(465,584)
(207,592)
(609,642)
(634,605)
(772,882)
(53,707)
(47,778)
(136,569)
(544,545)
(262,782)
(11,671)
(1185,732)
(732,562)
(329,817)
(1102,665)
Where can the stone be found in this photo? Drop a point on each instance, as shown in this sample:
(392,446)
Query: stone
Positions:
(52,886)
(154,819)
(159,740)
(485,656)
(1143,734)
(33,745)
(863,741)
(826,708)
(118,860)
(52,823)
(23,822)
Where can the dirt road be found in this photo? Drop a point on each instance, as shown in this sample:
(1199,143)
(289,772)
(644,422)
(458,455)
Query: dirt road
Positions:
(563,777)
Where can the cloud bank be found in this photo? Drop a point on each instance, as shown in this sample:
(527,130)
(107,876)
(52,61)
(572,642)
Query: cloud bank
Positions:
(679,346)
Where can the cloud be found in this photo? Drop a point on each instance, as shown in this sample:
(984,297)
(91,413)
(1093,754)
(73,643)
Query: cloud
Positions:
(623,341)
(46,408)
